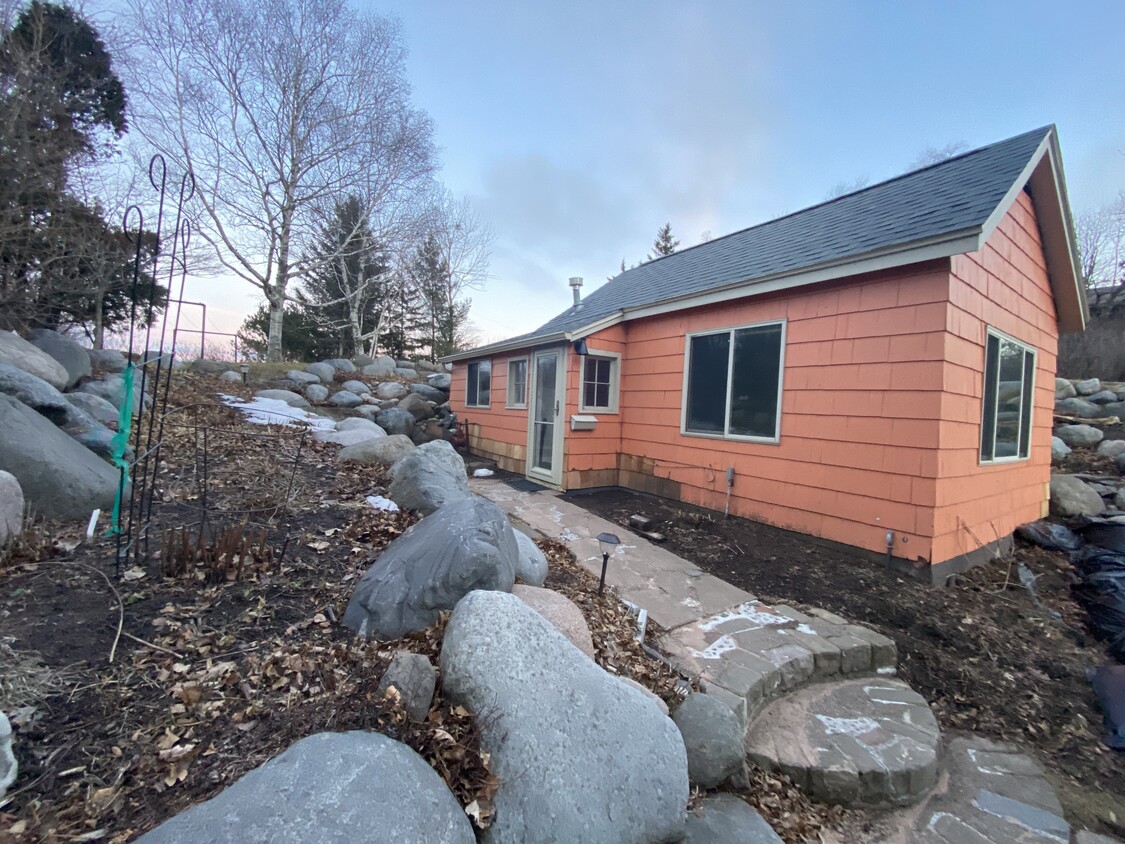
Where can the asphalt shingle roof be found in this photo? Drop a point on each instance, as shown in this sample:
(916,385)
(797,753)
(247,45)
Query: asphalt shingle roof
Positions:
(951,196)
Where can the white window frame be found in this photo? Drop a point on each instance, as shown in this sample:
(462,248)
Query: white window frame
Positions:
(1027,347)
(726,435)
(508,403)
(468,373)
(614,359)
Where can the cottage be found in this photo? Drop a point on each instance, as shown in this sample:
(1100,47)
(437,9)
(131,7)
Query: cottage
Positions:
(877,370)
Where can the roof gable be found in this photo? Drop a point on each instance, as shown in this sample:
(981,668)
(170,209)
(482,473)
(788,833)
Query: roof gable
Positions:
(940,210)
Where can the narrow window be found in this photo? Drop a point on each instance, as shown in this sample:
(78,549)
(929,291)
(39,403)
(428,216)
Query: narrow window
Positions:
(1009,391)
(478,389)
(734,382)
(599,383)
(517,382)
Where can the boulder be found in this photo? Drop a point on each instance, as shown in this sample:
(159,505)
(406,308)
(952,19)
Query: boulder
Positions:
(427,432)
(11,512)
(32,391)
(580,756)
(441,381)
(341,365)
(381,367)
(463,546)
(1103,397)
(1064,389)
(97,407)
(1075,435)
(648,693)
(299,377)
(73,357)
(713,738)
(429,393)
(725,819)
(391,390)
(316,392)
(384,451)
(162,360)
(1111,448)
(1088,386)
(231,377)
(345,398)
(9,768)
(532,566)
(1079,407)
(402,363)
(1115,409)
(447,456)
(562,613)
(202,366)
(362,360)
(357,387)
(357,423)
(288,396)
(415,679)
(395,420)
(22,355)
(85,429)
(417,407)
(109,360)
(1119,499)
(350,438)
(426,365)
(60,479)
(328,787)
(1119,462)
(408,374)
(1073,497)
(324,371)
(111,387)
(1059,450)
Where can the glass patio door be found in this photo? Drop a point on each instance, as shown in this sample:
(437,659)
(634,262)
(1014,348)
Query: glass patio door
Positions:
(544,422)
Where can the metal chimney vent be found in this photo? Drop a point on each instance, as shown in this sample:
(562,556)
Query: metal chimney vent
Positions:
(575,284)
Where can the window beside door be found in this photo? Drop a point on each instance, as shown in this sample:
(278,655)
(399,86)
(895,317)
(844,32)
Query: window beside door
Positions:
(517,383)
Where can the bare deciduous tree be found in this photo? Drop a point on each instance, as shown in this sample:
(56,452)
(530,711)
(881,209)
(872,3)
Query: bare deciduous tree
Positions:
(279,108)
(1101,243)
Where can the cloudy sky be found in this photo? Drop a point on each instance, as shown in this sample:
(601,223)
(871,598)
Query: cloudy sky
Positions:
(578,128)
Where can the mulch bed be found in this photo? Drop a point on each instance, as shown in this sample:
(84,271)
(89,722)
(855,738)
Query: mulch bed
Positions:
(981,652)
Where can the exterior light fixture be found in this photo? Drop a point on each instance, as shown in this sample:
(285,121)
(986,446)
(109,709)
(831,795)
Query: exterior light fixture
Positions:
(607,542)
(245,370)
(580,347)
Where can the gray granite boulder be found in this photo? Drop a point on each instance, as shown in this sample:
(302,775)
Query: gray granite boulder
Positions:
(580,755)
(111,360)
(232,377)
(324,371)
(725,819)
(300,377)
(713,738)
(1080,407)
(357,423)
(32,391)
(1088,386)
(1114,409)
(9,768)
(1071,496)
(316,392)
(384,451)
(463,546)
(426,365)
(441,381)
(1102,397)
(395,420)
(350,437)
(415,679)
(84,428)
(429,393)
(562,613)
(417,407)
(391,390)
(1111,448)
(1064,389)
(532,566)
(428,432)
(1119,462)
(341,365)
(381,367)
(60,478)
(1074,435)
(22,355)
(330,788)
(345,398)
(357,387)
(111,387)
(447,456)
(73,357)
(1059,450)
(288,396)
(11,507)
(404,372)
(201,366)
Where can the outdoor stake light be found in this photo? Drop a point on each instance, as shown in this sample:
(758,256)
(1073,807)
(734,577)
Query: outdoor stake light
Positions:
(607,542)
(245,370)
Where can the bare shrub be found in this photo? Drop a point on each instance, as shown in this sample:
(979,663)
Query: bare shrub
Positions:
(1098,352)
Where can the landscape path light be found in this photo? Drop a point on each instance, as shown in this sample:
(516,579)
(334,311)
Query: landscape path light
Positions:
(607,542)
(245,369)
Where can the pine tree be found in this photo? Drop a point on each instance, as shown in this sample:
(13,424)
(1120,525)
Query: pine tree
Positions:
(665,243)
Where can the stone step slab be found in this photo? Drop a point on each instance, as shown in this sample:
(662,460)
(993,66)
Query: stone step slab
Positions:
(871,741)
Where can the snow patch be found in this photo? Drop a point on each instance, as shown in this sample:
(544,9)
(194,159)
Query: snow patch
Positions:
(757,614)
(263,411)
(381,503)
(717,648)
(483,473)
(804,628)
(848,726)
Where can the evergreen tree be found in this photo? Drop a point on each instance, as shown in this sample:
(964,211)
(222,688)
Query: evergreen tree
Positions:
(665,243)
(304,338)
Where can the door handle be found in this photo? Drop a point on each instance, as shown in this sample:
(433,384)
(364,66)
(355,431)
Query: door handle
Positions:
(556,407)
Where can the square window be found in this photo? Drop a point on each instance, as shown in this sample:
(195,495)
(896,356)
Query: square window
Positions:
(599,383)
(517,382)
(1009,388)
(478,389)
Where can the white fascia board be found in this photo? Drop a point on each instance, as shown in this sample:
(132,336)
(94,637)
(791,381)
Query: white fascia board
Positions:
(507,346)
(955,244)
(595,326)
(1018,185)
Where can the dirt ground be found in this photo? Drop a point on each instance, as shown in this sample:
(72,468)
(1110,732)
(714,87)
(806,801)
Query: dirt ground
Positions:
(986,658)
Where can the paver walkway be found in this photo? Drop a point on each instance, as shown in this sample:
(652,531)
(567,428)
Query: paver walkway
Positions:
(796,680)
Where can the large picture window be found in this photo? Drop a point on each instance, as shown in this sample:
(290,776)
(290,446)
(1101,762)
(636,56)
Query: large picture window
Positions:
(1009,387)
(517,382)
(478,391)
(733,382)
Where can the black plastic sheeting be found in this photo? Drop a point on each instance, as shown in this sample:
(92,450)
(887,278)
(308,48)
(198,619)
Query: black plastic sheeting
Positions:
(1108,536)
(1050,536)
(1109,685)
